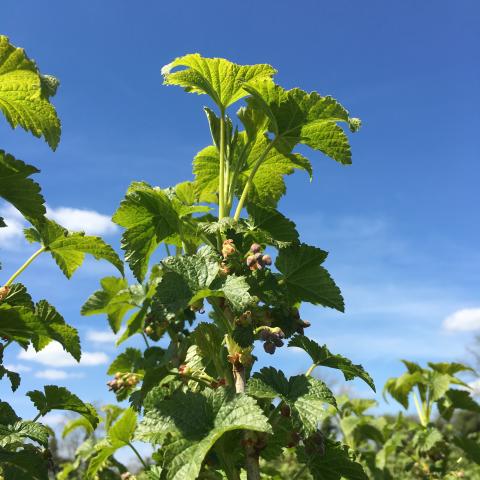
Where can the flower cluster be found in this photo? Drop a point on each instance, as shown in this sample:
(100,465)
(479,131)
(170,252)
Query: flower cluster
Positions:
(123,381)
(257,260)
(154,328)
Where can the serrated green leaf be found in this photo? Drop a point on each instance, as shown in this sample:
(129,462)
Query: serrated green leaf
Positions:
(114,299)
(189,432)
(270,222)
(20,324)
(321,356)
(14,377)
(19,297)
(306,396)
(149,217)
(123,429)
(68,249)
(401,387)
(7,414)
(22,430)
(296,116)
(24,94)
(17,188)
(470,447)
(57,330)
(128,361)
(59,398)
(221,80)
(72,425)
(305,279)
(335,464)
(426,439)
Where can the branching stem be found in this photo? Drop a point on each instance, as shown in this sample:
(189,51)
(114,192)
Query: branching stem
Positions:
(135,451)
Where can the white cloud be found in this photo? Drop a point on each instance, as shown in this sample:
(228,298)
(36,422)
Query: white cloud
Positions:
(103,336)
(17,367)
(10,234)
(53,355)
(76,219)
(53,374)
(465,320)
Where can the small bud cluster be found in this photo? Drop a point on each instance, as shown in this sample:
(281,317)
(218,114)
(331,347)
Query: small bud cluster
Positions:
(272,339)
(154,328)
(123,381)
(257,260)
(4,291)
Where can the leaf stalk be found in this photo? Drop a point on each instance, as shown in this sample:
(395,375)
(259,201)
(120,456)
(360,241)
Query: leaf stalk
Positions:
(24,266)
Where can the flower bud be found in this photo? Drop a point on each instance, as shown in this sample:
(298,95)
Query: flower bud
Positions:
(4,291)
(269,347)
(267,260)
(250,260)
(255,248)
(228,248)
(149,330)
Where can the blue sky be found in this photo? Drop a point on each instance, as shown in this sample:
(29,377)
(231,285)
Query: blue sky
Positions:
(401,223)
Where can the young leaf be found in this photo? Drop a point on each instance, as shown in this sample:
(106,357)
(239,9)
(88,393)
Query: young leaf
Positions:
(223,81)
(17,188)
(114,299)
(69,248)
(59,398)
(149,217)
(305,396)
(321,356)
(14,377)
(305,279)
(300,117)
(128,361)
(188,425)
(24,94)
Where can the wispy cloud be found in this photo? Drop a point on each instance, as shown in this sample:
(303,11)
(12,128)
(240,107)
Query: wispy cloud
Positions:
(465,320)
(102,336)
(18,367)
(54,374)
(75,219)
(53,355)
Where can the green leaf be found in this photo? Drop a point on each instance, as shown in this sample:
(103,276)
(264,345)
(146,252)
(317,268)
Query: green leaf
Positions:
(14,377)
(426,439)
(189,432)
(470,446)
(17,188)
(335,464)
(128,361)
(401,387)
(306,396)
(114,299)
(456,400)
(321,356)
(29,463)
(305,279)
(149,217)
(299,117)
(20,324)
(69,248)
(57,330)
(123,429)
(223,81)
(22,430)
(80,422)
(24,96)
(59,398)
(19,297)
(270,222)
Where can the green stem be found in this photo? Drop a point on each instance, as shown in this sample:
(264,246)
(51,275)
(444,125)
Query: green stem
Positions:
(221,176)
(419,409)
(145,339)
(248,185)
(24,266)
(168,250)
(310,370)
(135,451)
(37,417)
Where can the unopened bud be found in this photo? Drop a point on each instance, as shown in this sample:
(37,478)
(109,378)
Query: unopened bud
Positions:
(269,347)
(4,291)
(255,248)
(267,260)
